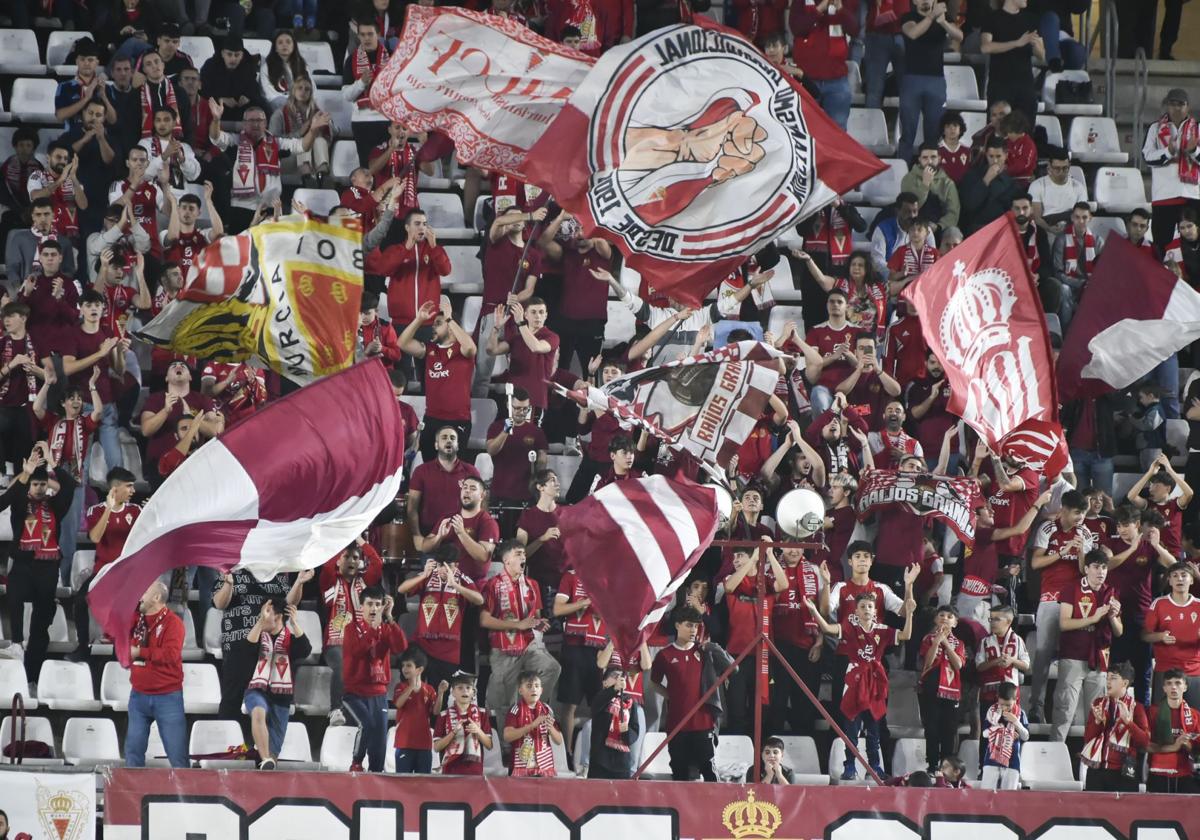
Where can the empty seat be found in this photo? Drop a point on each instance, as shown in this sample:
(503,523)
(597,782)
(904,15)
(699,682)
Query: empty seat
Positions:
(968,751)
(620,325)
(337,747)
(199,48)
(90,741)
(67,686)
(470,312)
(212,632)
(318,55)
(216,736)
(734,756)
(191,650)
(1119,189)
(201,688)
(445,214)
(903,714)
(909,756)
(854,76)
(561,767)
(1053,126)
(868,127)
(800,754)
(339,110)
(33,100)
(12,683)
(483,414)
(782,285)
(660,768)
(317,201)
(58,47)
(312,689)
(115,686)
(466,272)
(260,47)
(1095,140)
(1107,226)
(780,315)
(837,763)
(962,88)
(343,160)
(36,729)
(884,187)
(296,747)
(82,565)
(1046,765)
(19,54)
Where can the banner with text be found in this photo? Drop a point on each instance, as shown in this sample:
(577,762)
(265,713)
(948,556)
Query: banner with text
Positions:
(49,806)
(937,497)
(224,805)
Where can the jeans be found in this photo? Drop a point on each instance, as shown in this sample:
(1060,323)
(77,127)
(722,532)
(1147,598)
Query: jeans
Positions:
(110,437)
(1092,469)
(276,718)
(167,711)
(204,578)
(414,761)
(881,49)
(834,97)
(304,13)
(1068,50)
(369,714)
(919,96)
(1166,376)
(333,658)
(68,534)
(870,729)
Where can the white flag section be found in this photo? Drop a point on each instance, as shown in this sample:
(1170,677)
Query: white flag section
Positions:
(50,806)
(282,491)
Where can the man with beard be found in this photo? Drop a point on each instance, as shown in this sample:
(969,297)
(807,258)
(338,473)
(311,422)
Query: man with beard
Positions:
(145,199)
(867,386)
(24,244)
(156,677)
(434,493)
(414,268)
(892,440)
(166,149)
(73,95)
(1038,254)
(126,103)
(583,310)
(62,186)
(471,531)
(96,146)
(449,363)
(928,399)
(163,409)
(1075,253)
(510,443)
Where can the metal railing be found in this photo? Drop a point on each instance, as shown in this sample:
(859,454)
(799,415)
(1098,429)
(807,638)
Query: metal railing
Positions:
(1108,52)
(1141,86)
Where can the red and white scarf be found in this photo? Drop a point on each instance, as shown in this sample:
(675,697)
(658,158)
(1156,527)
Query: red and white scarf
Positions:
(174,166)
(402,164)
(533,755)
(949,680)
(994,648)
(1033,256)
(464,746)
(439,615)
(918,258)
(619,709)
(9,352)
(586,626)
(341,600)
(363,63)
(40,534)
(273,672)
(1001,735)
(1115,736)
(1169,764)
(1071,253)
(163,95)
(1189,132)
(62,431)
(256,163)
(515,600)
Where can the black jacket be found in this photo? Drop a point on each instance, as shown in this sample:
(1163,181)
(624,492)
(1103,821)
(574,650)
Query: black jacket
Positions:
(16,499)
(615,761)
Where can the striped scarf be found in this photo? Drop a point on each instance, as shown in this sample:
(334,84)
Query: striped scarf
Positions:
(1071,253)
(174,165)
(66,428)
(619,709)
(363,63)
(10,350)
(464,746)
(918,258)
(40,534)
(1115,736)
(1162,732)
(1033,256)
(162,95)
(534,755)
(1001,735)
(273,672)
(585,627)
(1189,131)
(256,163)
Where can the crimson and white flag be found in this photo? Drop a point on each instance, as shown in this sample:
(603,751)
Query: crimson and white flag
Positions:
(632,544)
(283,490)
(685,148)
(1040,445)
(981,315)
(1110,347)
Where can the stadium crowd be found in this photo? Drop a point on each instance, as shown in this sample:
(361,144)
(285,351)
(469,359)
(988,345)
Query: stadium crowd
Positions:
(492,636)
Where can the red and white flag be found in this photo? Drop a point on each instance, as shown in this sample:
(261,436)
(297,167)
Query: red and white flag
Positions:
(706,405)
(1110,347)
(650,532)
(981,315)
(685,148)
(1040,445)
(283,490)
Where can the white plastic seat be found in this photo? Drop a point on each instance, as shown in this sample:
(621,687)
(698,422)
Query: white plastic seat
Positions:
(339,110)
(1095,140)
(882,189)
(734,756)
(466,272)
(318,201)
(201,688)
(1107,226)
(312,689)
(471,309)
(1053,126)
(868,127)
(81,566)
(903,714)
(660,768)
(67,686)
(800,754)
(445,214)
(216,736)
(854,76)
(260,47)
(337,748)
(310,623)
(58,47)
(115,686)
(212,632)
(1046,765)
(343,160)
(781,281)
(780,315)
(19,55)
(1120,189)
(33,100)
(909,756)
(561,768)
(191,650)
(199,48)
(296,748)
(483,414)
(962,88)
(968,751)
(90,741)
(620,324)
(318,55)
(36,729)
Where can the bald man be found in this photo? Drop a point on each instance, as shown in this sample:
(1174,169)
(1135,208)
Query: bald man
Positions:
(156,678)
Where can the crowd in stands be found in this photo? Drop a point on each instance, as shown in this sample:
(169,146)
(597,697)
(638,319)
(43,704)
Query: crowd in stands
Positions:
(477,633)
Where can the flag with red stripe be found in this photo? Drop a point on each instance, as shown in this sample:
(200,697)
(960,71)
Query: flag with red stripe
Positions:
(648,532)
(282,491)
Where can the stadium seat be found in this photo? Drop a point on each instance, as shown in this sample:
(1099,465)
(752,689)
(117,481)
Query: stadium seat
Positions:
(962,88)
(297,750)
(58,47)
(319,57)
(620,324)
(909,756)
(1046,765)
(337,747)
(310,623)
(1107,226)
(212,632)
(1053,126)
(660,768)
(884,187)
(36,729)
(389,758)
(19,55)
(903,714)
(217,736)
(800,754)
(201,688)
(445,214)
(60,631)
(343,160)
(968,751)
(782,286)
(780,315)
(1177,437)
(312,689)
(565,467)
(199,48)
(483,414)
(318,201)
(975,120)
(81,566)
(33,101)
(260,47)
(868,127)
(1119,189)
(734,757)
(339,109)
(837,762)
(1049,101)
(466,272)
(561,767)
(1095,140)
(471,308)
(854,76)
(87,742)
(114,686)
(67,686)
(191,650)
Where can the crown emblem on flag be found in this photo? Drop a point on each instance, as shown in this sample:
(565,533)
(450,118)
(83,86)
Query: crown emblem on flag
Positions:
(750,818)
(976,317)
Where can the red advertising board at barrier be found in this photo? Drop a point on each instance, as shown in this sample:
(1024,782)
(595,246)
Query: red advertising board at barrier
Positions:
(246,805)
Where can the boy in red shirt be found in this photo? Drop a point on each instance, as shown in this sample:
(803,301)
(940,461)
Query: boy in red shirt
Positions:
(942,655)
(342,581)
(1116,731)
(745,621)
(1174,736)
(1163,479)
(463,731)
(1172,626)
(416,703)
(156,680)
(864,702)
(530,727)
(443,593)
(908,262)
(368,644)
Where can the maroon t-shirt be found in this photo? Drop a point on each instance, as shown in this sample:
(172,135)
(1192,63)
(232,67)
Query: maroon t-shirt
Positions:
(1079,644)
(1172,534)
(1134,578)
(548,562)
(439,490)
(81,344)
(868,397)
(448,375)
(681,670)
(1008,508)
(900,539)
(528,369)
(164,439)
(604,429)
(500,273)
(981,564)
(583,297)
(510,480)
(931,429)
(482,528)
(824,338)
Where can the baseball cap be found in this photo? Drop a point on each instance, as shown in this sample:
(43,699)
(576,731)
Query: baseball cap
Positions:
(1176,95)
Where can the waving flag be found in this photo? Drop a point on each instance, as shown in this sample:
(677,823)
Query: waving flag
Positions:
(286,291)
(1109,347)
(706,405)
(981,315)
(281,491)
(1040,445)
(685,148)
(650,532)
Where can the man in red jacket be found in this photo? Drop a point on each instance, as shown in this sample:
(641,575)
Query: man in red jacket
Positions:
(414,269)
(156,677)
(368,643)
(377,337)
(823,29)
